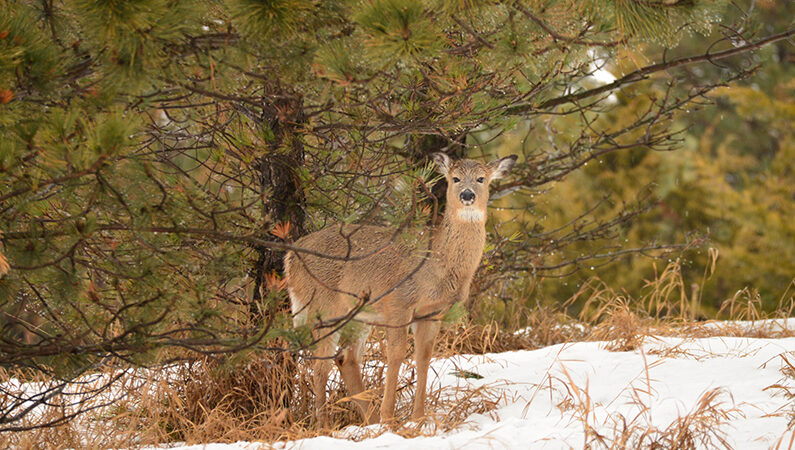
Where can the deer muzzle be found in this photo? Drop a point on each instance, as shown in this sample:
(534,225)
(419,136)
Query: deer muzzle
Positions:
(467,197)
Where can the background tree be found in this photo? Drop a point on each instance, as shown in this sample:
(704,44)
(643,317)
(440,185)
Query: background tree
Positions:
(726,182)
(157,155)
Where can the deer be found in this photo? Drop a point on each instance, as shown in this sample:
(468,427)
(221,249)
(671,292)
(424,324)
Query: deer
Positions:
(376,276)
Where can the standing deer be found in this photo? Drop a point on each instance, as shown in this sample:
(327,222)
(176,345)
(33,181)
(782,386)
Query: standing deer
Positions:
(382,278)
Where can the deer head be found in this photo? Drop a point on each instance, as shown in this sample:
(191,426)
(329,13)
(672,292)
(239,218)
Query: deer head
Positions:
(468,184)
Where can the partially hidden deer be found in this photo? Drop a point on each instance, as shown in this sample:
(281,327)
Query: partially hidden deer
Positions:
(379,277)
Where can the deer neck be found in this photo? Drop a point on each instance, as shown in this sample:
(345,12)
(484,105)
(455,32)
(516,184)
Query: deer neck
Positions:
(459,244)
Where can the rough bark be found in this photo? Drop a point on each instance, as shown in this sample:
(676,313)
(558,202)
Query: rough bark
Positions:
(285,199)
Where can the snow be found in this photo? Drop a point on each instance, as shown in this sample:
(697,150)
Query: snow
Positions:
(766,325)
(549,395)
(572,395)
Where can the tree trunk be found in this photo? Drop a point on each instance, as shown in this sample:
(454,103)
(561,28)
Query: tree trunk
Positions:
(286,200)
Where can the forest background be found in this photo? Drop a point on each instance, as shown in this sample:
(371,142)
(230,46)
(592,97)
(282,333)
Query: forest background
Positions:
(730,181)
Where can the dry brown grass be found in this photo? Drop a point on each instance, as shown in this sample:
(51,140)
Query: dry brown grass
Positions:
(667,308)
(270,399)
(263,398)
(478,339)
(267,396)
(786,388)
(78,412)
(702,427)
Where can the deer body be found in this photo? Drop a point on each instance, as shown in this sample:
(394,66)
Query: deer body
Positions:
(384,278)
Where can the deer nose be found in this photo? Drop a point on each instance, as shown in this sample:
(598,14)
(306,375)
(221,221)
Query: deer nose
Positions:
(467,196)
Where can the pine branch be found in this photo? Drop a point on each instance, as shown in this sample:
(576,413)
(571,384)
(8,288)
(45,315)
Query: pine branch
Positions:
(642,74)
(198,233)
(556,37)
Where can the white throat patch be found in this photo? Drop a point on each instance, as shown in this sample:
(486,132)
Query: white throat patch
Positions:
(471,214)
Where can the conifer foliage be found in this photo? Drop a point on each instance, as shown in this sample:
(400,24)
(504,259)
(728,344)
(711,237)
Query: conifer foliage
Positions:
(157,156)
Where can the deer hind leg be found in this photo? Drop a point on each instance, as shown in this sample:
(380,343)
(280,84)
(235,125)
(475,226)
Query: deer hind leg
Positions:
(321,367)
(349,364)
(424,337)
(396,343)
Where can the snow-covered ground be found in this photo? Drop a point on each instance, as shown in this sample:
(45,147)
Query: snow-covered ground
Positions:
(718,392)
(724,391)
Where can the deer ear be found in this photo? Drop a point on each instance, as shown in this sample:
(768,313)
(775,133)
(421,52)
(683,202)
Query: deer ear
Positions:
(501,167)
(442,162)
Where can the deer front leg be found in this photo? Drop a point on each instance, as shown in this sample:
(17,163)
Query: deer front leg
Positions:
(396,343)
(424,337)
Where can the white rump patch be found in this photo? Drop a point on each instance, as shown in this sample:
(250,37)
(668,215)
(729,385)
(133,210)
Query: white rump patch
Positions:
(471,214)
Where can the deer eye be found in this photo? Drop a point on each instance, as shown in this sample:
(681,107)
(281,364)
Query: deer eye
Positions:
(481,179)
(456,180)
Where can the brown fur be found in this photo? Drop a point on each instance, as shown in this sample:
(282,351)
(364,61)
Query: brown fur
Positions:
(391,280)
